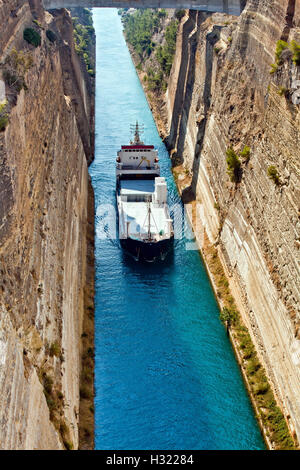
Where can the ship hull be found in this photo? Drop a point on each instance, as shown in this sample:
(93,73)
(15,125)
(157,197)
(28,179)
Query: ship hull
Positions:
(147,251)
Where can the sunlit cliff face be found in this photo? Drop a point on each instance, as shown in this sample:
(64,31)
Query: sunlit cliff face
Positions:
(43,222)
(225,96)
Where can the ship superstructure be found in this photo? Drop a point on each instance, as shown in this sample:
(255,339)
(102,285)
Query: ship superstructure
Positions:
(145,225)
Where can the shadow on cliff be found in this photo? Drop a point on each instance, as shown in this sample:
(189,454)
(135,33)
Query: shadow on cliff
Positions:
(211,39)
(185,80)
(289,20)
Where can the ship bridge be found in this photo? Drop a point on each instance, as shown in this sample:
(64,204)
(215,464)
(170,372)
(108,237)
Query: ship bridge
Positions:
(231,7)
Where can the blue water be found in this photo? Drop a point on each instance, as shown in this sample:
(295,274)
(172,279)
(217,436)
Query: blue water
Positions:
(165,373)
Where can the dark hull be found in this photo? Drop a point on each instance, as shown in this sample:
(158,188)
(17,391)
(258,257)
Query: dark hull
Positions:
(147,251)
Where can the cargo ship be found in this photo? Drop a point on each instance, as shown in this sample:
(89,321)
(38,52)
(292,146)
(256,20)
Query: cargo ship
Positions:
(145,225)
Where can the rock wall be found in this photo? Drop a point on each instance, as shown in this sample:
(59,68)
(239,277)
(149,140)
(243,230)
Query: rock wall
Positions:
(221,94)
(44,190)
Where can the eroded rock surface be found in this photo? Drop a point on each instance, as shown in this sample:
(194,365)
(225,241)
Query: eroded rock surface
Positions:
(44,189)
(221,94)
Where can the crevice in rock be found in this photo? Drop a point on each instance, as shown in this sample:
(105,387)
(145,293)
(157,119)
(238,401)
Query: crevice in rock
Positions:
(289,20)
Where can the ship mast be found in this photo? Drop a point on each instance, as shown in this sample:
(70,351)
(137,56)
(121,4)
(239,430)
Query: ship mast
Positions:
(137,134)
(137,130)
(148,218)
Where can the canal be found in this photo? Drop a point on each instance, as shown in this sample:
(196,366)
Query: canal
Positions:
(165,373)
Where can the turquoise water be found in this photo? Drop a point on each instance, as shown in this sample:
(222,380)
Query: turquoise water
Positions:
(165,373)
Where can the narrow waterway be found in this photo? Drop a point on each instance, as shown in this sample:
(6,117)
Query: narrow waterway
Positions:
(165,373)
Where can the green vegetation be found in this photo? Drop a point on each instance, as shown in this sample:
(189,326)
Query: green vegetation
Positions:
(16,64)
(269,413)
(68,445)
(38,24)
(139,29)
(84,35)
(165,53)
(155,80)
(233,165)
(3,116)
(245,153)
(228,316)
(65,434)
(32,37)
(282,91)
(295,48)
(55,404)
(86,409)
(51,35)
(55,350)
(47,382)
(273,174)
(274,68)
(281,46)
(179,14)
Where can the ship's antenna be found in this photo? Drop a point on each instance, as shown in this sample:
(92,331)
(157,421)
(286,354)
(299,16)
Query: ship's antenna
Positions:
(137,133)
(137,130)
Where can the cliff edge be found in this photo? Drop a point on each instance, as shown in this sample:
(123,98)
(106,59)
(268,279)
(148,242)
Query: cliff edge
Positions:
(233,124)
(45,226)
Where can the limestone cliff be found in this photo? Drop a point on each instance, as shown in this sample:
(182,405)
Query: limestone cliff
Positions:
(221,94)
(44,225)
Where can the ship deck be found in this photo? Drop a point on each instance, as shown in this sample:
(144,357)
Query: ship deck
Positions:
(136,211)
(137,186)
(137,215)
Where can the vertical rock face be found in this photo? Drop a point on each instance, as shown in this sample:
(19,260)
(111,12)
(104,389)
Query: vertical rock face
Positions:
(44,190)
(221,94)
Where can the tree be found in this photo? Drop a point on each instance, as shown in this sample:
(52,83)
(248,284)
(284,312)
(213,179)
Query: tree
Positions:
(233,165)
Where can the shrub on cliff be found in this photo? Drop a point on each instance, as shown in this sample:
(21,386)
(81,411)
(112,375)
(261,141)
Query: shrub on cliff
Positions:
(165,53)
(139,28)
(38,24)
(55,349)
(51,35)
(32,37)
(3,116)
(280,47)
(16,64)
(228,316)
(295,48)
(155,80)
(180,14)
(282,91)
(273,174)
(233,165)
(83,38)
(65,434)
(245,153)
